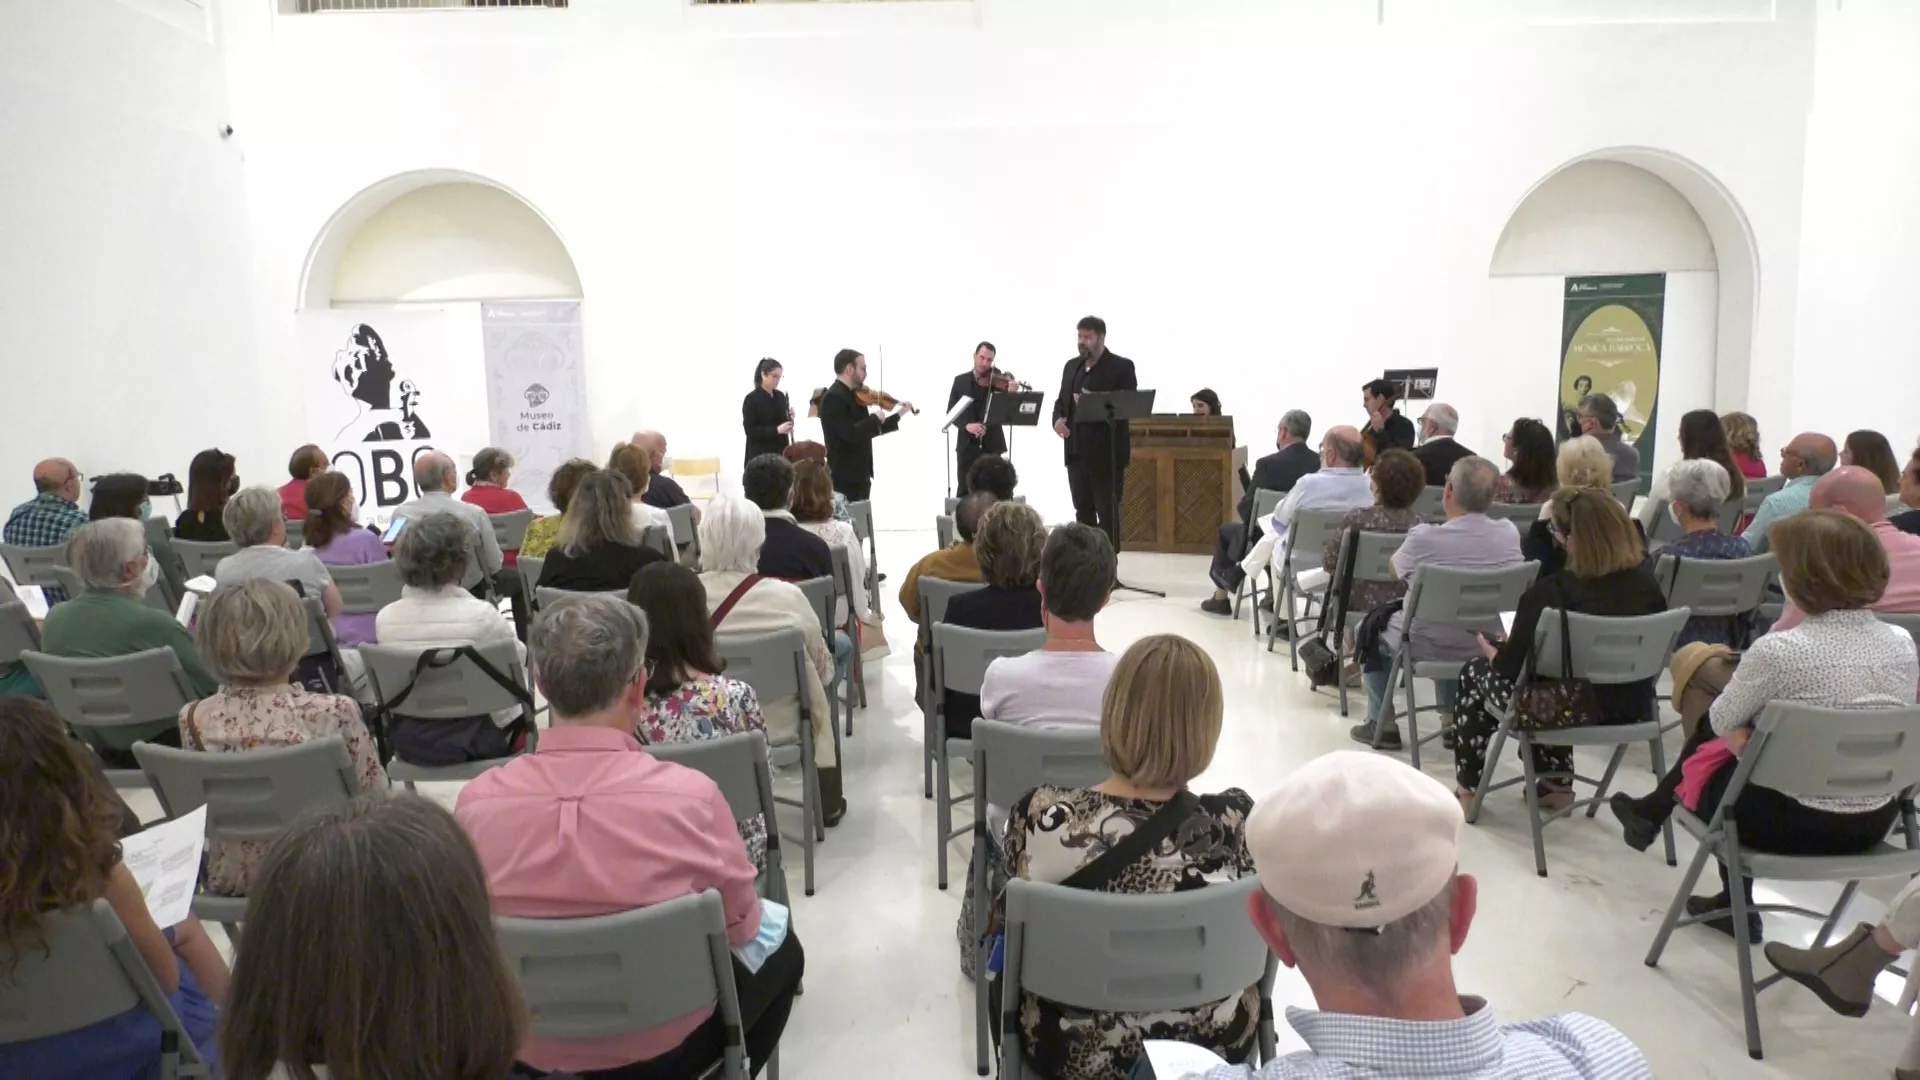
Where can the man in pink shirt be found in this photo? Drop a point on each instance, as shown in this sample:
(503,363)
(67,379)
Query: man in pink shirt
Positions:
(591,824)
(1853,490)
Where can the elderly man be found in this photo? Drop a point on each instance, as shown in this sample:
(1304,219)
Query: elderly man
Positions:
(1467,540)
(1291,459)
(1600,418)
(591,824)
(662,491)
(1340,484)
(1803,462)
(1437,450)
(1858,493)
(51,515)
(791,553)
(956,563)
(253,521)
(1908,520)
(437,478)
(1358,857)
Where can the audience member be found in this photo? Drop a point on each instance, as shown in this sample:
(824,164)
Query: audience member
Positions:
(487,489)
(807,450)
(435,478)
(211,480)
(1531,478)
(741,601)
(1361,890)
(1803,461)
(1696,490)
(120,495)
(1340,484)
(1279,471)
(1386,429)
(1008,547)
(662,490)
(560,486)
(1844,973)
(687,698)
(1908,520)
(359,908)
(1839,656)
(60,850)
(1436,449)
(1600,418)
(434,612)
(1205,403)
(51,515)
(1606,574)
(1467,540)
(1584,465)
(1061,683)
(1871,451)
(306,463)
(1398,480)
(253,521)
(1159,724)
(589,824)
(991,472)
(252,636)
(956,563)
(1702,438)
(1743,439)
(335,540)
(1856,492)
(636,468)
(813,509)
(599,548)
(791,553)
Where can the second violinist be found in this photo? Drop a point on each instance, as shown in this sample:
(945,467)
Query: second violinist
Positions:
(850,429)
(976,437)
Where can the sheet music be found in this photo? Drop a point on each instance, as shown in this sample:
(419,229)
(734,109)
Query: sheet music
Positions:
(165,860)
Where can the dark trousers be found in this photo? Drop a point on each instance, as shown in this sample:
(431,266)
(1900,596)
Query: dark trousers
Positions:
(1096,496)
(964,456)
(1228,549)
(766,999)
(854,490)
(1768,820)
(507,583)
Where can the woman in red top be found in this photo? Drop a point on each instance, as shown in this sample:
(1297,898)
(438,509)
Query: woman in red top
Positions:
(487,489)
(307,462)
(1743,438)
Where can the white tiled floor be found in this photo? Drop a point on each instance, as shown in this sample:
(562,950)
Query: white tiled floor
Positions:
(885,997)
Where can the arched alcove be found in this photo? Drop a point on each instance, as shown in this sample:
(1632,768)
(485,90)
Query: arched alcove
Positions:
(1603,217)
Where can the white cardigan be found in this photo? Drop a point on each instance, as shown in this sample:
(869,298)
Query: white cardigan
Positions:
(447,616)
(776,605)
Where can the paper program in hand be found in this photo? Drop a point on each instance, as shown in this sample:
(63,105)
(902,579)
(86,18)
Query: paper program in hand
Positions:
(165,861)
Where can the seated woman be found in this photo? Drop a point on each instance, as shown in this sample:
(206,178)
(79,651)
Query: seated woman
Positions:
(687,697)
(306,463)
(120,495)
(253,520)
(560,487)
(1008,546)
(1871,451)
(599,547)
(1159,724)
(434,611)
(1398,481)
(361,905)
(813,497)
(1531,479)
(1842,656)
(487,489)
(1696,490)
(635,465)
(61,851)
(252,635)
(808,450)
(1605,573)
(1583,465)
(740,601)
(210,481)
(1205,403)
(1702,438)
(335,540)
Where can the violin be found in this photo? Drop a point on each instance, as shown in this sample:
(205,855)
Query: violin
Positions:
(1001,382)
(870,398)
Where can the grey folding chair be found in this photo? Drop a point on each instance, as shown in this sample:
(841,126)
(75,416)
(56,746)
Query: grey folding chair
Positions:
(1908,622)
(1716,587)
(173,573)
(156,597)
(934,594)
(1372,564)
(34,565)
(959,660)
(1664,529)
(296,535)
(1624,491)
(621,974)
(250,795)
(821,593)
(365,589)
(115,701)
(1264,502)
(530,567)
(856,673)
(862,513)
(452,691)
(198,558)
(1445,596)
(1731,512)
(1523,515)
(1758,490)
(547,595)
(87,971)
(510,529)
(686,538)
(1305,538)
(1118,952)
(1009,760)
(738,765)
(660,539)
(1605,651)
(773,662)
(322,644)
(1811,751)
(943,531)
(1431,503)
(19,634)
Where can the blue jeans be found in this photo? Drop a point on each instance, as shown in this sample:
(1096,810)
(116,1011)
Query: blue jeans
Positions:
(1445,691)
(842,656)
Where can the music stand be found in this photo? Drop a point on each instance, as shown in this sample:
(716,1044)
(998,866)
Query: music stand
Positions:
(1112,407)
(1015,408)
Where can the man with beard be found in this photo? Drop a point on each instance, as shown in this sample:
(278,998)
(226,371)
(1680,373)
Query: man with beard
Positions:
(1094,450)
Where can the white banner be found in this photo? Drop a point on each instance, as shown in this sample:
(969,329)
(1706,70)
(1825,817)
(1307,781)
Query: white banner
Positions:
(536,389)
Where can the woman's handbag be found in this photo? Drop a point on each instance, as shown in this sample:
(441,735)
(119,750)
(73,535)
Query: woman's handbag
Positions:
(1563,703)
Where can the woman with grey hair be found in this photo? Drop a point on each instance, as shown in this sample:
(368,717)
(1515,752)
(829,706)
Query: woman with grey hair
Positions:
(253,635)
(598,549)
(487,489)
(1697,489)
(254,521)
(740,601)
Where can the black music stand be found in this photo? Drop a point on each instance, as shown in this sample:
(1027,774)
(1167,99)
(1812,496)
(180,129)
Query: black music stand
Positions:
(1112,407)
(1015,408)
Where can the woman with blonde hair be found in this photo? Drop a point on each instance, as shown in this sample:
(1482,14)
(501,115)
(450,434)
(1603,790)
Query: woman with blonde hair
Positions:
(1582,465)
(598,549)
(1743,439)
(1159,724)
(1008,548)
(635,466)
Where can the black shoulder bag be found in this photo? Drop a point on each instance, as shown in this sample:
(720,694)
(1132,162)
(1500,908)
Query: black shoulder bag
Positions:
(456,741)
(1317,658)
(1563,703)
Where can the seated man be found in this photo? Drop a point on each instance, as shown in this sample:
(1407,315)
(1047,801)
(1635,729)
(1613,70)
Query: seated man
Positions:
(1060,684)
(1908,520)
(590,824)
(791,553)
(1858,493)
(1600,418)
(662,491)
(956,563)
(47,519)
(1437,451)
(1359,858)
(1803,462)
(1279,471)
(436,477)
(1340,484)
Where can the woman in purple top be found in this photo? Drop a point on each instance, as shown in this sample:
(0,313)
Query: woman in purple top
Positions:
(333,536)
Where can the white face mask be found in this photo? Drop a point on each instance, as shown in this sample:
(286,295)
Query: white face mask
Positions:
(149,574)
(1673,511)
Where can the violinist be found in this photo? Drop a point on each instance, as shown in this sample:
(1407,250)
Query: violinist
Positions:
(850,429)
(766,414)
(976,437)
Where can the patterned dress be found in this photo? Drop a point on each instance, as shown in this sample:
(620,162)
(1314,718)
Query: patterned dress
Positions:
(1052,832)
(708,707)
(1505,490)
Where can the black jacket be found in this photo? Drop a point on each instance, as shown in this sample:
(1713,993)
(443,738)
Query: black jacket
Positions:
(995,439)
(1087,438)
(1279,471)
(792,553)
(850,430)
(1396,434)
(664,492)
(761,414)
(1438,456)
(602,569)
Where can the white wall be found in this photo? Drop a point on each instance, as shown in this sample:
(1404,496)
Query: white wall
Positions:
(1603,217)
(126,313)
(453,242)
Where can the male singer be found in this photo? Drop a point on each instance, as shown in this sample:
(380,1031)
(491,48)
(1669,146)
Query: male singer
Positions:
(1091,457)
(976,437)
(850,429)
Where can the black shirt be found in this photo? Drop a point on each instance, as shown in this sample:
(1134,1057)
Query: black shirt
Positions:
(1396,434)
(200,526)
(1437,456)
(1622,593)
(602,569)
(1908,522)
(761,414)
(991,608)
(791,553)
(994,441)
(664,492)
(1087,436)
(850,430)
(1279,471)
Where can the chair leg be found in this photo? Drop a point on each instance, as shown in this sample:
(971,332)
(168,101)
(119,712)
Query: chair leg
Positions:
(1749,1005)
(1657,754)
(943,812)
(1398,673)
(1486,770)
(1606,778)
(1534,824)
(977,881)
(1679,905)
(1833,917)
(809,803)
(927,742)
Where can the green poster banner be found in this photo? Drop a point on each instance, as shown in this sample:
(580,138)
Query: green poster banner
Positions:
(1610,344)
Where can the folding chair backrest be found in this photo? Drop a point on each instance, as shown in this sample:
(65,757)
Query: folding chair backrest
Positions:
(961,654)
(1522,515)
(1908,622)
(769,661)
(1116,952)
(250,794)
(114,691)
(1449,596)
(1265,501)
(934,594)
(1811,750)
(608,975)
(296,535)
(1731,512)
(1665,530)
(1431,503)
(1373,556)
(737,764)
(530,567)
(365,589)
(1608,650)
(1716,586)
(199,558)
(173,572)
(862,513)
(943,531)
(320,639)
(1309,531)
(820,593)
(89,971)
(458,690)
(681,517)
(18,632)
(545,596)
(34,565)
(660,539)
(1766,485)
(842,571)
(68,580)
(1010,760)
(1625,490)
(510,529)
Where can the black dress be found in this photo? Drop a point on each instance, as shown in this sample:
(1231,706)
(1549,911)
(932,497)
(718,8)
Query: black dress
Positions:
(200,526)
(601,569)
(761,414)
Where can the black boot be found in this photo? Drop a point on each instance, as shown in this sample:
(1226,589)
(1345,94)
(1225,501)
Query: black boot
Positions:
(832,801)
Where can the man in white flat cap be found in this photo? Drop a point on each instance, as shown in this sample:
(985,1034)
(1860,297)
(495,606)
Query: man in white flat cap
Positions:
(1359,857)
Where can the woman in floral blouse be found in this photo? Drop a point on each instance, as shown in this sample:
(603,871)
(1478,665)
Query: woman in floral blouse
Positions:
(687,697)
(1398,481)
(252,635)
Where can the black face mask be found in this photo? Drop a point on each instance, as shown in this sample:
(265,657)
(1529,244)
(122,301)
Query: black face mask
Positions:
(233,485)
